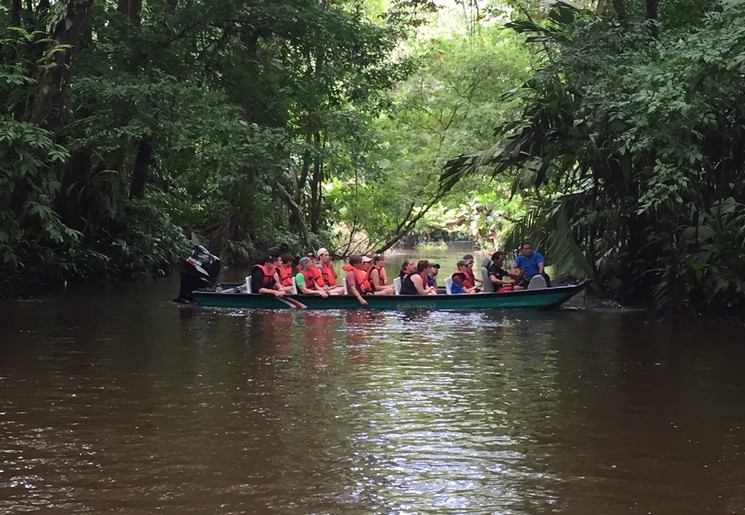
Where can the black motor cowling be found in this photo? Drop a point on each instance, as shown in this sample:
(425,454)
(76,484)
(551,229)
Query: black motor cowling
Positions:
(200,271)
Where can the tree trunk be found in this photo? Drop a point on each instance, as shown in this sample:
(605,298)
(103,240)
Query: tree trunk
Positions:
(49,102)
(315,186)
(603,7)
(620,8)
(15,13)
(71,197)
(300,216)
(652,17)
(142,164)
(302,181)
(131,9)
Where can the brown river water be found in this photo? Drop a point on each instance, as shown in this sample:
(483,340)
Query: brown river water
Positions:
(114,399)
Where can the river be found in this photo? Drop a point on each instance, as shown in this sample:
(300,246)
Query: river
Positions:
(115,399)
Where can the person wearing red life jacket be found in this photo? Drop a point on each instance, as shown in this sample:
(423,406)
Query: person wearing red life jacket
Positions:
(356,279)
(461,280)
(414,280)
(263,278)
(316,271)
(304,280)
(376,276)
(328,274)
(285,273)
(469,272)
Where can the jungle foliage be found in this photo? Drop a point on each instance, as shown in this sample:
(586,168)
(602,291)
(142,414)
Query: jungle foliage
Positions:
(129,127)
(629,148)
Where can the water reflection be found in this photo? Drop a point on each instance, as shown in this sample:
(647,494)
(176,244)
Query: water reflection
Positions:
(126,403)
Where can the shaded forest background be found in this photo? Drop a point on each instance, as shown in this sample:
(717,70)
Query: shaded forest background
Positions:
(610,132)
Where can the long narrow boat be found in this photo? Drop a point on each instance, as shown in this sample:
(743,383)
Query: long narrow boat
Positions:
(543,298)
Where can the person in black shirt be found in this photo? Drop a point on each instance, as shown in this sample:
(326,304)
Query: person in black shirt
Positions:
(264,278)
(501,278)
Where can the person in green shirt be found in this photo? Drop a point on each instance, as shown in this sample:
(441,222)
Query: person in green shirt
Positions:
(304,280)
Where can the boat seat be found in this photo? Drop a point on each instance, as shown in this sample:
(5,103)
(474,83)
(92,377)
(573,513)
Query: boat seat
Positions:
(397,285)
(294,287)
(346,290)
(537,282)
(248,284)
(448,285)
(487,286)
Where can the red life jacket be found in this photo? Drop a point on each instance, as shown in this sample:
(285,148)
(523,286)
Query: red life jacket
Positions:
(268,277)
(381,276)
(285,275)
(328,274)
(360,277)
(315,272)
(309,281)
(471,278)
(467,283)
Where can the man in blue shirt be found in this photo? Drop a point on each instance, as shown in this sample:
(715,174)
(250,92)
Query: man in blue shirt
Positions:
(531,263)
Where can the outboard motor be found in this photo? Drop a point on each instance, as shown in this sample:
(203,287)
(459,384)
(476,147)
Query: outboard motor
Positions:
(200,270)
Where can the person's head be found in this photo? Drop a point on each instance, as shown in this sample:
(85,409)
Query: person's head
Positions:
(324,256)
(306,263)
(469,259)
(286,259)
(408,266)
(366,262)
(462,265)
(311,256)
(422,266)
(355,260)
(433,269)
(269,261)
(378,260)
(526,248)
(498,258)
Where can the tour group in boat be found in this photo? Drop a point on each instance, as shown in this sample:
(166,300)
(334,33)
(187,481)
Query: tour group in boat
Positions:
(314,274)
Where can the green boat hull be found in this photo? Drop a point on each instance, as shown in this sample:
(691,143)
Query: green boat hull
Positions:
(545,298)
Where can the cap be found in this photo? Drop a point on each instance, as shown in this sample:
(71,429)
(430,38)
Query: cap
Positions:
(366,259)
(462,262)
(321,252)
(304,260)
(434,265)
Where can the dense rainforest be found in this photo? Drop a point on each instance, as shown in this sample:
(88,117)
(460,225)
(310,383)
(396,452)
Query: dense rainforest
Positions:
(610,132)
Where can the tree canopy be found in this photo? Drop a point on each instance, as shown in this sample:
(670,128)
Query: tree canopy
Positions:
(629,146)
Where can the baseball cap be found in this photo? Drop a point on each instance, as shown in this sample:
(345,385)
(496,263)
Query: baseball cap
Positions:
(304,260)
(366,259)
(434,265)
(321,252)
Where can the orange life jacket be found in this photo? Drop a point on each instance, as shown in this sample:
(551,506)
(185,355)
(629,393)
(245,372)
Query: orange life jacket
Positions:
(315,272)
(309,281)
(381,276)
(471,277)
(328,274)
(360,277)
(285,275)
(268,277)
